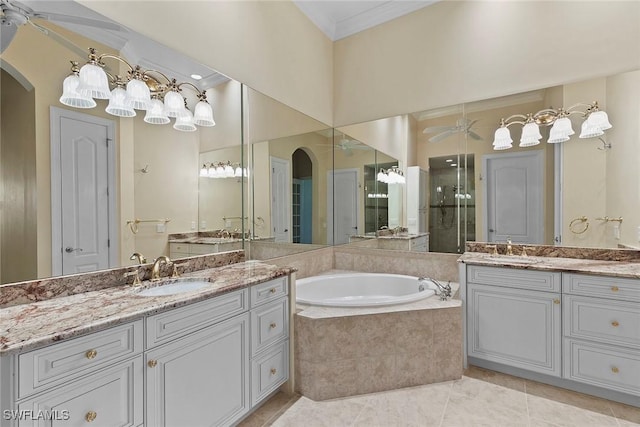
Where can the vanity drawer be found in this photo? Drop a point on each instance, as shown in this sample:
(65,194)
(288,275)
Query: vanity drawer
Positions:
(515,278)
(182,248)
(601,286)
(67,360)
(601,320)
(176,323)
(615,368)
(268,291)
(268,371)
(269,324)
(111,397)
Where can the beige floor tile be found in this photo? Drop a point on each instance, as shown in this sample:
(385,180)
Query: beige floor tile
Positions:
(331,413)
(416,406)
(623,423)
(625,412)
(493,377)
(277,403)
(578,400)
(473,402)
(568,415)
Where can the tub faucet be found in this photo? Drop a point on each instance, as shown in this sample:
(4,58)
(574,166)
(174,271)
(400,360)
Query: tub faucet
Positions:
(444,291)
(509,247)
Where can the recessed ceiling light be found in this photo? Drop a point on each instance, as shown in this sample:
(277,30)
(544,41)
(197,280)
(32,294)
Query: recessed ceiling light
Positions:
(449,160)
(454,164)
(196,76)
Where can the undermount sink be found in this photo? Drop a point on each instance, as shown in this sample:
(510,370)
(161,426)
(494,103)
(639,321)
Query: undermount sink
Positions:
(514,259)
(174,288)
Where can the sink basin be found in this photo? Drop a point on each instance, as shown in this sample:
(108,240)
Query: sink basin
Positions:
(514,259)
(174,288)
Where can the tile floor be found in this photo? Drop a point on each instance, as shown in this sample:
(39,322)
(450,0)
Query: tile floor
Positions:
(480,398)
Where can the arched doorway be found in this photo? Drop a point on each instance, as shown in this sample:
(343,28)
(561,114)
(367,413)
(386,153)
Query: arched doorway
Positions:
(302,197)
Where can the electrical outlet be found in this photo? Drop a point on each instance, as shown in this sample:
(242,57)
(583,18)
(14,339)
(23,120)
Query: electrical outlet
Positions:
(193,225)
(160,228)
(203,225)
(227,223)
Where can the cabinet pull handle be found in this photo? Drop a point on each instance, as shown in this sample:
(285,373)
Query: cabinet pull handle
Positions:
(272,290)
(615,370)
(91,415)
(615,323)
(272,325)
(614,289)
(273,371)
(91,354)
(152,363)
(556,301)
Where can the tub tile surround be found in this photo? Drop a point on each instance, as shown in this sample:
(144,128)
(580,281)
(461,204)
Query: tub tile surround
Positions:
(30,325)
(62,286)
(307,264)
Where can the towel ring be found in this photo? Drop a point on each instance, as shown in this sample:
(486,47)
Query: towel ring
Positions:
(582,219)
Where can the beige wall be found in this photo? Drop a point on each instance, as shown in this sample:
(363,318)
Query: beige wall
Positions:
(460,51)
(623,176)
(18,236)
(226,101)
(270,46)
(389,135)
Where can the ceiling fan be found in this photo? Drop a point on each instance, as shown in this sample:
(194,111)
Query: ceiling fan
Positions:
(462,125)
(348,145)
(15,14)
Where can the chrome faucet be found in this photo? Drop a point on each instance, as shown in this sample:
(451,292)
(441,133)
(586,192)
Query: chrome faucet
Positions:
(155,270)
(138,256)
(444,291)
(509,248)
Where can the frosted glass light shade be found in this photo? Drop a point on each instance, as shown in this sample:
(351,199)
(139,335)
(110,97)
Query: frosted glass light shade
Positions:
(118,105)
(212,173)
(94,82)
(600,120)
(560,131)
(138,95)
(203,114)
(184,122)
(382,177)
(590,131)
(71,96)
(228,171)
(238,172)
(173,104)
(530,135)
(155,114)
(502,139)
(204,172)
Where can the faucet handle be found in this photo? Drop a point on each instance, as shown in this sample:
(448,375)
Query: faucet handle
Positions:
(494,249)
(136,277)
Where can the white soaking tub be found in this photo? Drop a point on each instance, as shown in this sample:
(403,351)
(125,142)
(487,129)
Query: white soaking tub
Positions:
(362,289)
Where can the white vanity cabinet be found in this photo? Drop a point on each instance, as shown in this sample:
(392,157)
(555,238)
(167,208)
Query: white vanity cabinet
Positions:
(96,378)
(513,318)
(602,331)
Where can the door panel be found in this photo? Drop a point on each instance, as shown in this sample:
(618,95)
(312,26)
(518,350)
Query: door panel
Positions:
(280,199)
(514,191)
(345,210)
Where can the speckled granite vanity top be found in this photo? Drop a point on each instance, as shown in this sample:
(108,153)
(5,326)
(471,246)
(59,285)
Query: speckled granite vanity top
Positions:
(398,236)
(31,325)
(609,262)
(206,237)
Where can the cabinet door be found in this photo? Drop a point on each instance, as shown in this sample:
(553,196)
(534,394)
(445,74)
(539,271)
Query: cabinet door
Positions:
(200,380)
(515,327)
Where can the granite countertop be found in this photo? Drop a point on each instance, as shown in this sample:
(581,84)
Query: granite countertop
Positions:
(399,236)
(624,268)
(205,240)
(31,325)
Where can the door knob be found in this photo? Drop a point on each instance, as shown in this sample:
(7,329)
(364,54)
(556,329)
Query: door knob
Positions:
(286,230)
(491,230)
(69,249)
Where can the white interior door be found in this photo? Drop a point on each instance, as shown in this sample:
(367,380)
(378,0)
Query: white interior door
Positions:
(81,174)
(514,197)
(345,205)
(280,199)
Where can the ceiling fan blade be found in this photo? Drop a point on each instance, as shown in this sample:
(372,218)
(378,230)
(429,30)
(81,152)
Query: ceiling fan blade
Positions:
(441,136)
(434,129)
(6,35)
(50,16)
(82,53)
(474,135)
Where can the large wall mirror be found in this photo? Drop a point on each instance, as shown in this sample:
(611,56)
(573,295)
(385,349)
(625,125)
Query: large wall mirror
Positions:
(581,192)
(154,169)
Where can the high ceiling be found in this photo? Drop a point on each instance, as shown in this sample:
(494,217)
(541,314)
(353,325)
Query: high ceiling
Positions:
(340,19)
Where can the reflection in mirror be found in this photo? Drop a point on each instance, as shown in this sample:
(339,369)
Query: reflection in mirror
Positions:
(290,156)
(154,169)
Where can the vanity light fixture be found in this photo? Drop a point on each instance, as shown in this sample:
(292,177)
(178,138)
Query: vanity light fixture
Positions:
(393,175)
(223,170)
(140,90)
(594,125)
